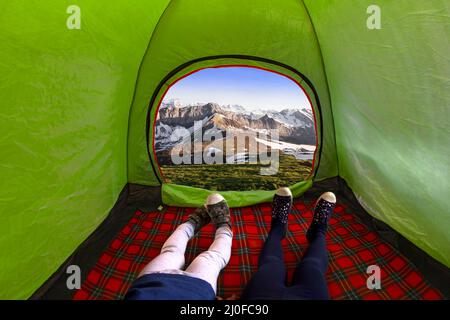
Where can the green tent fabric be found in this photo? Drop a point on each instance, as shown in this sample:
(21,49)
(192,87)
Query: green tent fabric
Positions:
(75,103)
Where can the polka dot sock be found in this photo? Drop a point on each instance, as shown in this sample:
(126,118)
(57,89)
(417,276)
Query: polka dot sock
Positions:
(322,213)
(281,207)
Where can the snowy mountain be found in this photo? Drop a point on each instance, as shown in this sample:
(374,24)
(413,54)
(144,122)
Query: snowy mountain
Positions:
(291,117)
(171,103)
(175,123)
(235,108)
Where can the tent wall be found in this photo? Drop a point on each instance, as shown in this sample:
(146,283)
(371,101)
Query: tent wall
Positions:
(189,30)
(65,99)
(69,141)
(390,96)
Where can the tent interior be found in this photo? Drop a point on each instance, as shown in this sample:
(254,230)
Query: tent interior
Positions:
(80,180)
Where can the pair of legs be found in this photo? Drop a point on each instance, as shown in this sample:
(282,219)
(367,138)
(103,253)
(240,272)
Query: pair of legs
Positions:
(208,264)
(269,282)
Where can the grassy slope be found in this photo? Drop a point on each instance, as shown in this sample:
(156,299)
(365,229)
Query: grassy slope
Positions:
(239,177)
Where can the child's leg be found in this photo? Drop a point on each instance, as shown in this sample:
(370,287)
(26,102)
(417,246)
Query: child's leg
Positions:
(172,252)
(208,264)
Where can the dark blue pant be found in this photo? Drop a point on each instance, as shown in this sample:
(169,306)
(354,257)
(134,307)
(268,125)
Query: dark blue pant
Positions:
(269,282)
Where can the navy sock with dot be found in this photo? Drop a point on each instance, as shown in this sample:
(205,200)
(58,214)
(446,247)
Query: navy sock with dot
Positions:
(281,207)
(322,213)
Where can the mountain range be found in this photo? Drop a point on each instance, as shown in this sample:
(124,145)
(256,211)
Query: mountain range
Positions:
(295,126)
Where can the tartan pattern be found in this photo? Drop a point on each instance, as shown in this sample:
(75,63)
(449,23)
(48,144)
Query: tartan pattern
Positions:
(352,248)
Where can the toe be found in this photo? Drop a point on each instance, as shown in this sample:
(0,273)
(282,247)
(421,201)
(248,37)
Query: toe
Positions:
(328,196)
(214,198)
(284,192)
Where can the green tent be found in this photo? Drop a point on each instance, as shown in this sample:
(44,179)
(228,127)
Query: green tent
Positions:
(77,105)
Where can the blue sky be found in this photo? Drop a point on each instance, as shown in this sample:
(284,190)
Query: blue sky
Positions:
(249,87)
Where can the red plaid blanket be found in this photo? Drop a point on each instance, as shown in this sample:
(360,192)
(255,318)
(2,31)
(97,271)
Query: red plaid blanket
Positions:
(352,248)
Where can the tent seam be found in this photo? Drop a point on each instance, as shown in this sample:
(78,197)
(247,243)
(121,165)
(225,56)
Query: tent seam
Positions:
(137,79)
(326,80)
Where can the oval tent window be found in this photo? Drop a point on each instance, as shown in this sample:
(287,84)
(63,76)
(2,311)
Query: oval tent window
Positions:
(235,128)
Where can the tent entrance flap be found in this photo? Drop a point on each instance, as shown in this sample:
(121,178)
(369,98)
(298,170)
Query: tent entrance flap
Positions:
(234,125)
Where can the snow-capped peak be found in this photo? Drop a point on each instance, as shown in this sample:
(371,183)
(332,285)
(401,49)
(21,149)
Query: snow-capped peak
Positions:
(235,108)
(171,103)
(290,117)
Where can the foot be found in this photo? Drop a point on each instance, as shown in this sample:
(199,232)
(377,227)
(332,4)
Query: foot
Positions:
(281,207)
(322,212)
(199,218)
(218,210)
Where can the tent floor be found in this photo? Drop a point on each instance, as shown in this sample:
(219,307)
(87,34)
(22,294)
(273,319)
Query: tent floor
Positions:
(354,243)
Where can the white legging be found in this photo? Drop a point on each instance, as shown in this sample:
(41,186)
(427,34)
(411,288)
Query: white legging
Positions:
(206,266)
